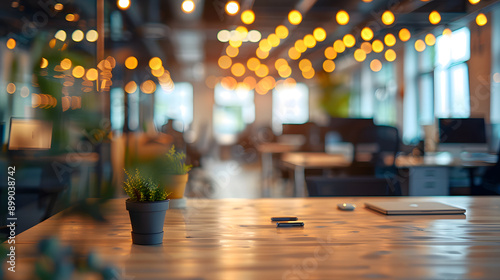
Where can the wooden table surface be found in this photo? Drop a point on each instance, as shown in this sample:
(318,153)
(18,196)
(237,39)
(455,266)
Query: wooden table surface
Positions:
(235,239)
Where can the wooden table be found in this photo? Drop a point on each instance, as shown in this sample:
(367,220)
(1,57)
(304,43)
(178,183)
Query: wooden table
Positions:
(299,162)
(235,239)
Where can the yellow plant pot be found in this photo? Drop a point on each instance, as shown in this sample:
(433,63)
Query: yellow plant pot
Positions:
(176,184)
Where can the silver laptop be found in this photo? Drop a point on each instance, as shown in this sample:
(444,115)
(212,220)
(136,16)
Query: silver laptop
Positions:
(413,208)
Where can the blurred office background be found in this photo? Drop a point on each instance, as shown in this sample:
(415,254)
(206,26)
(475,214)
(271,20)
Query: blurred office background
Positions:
(99,86)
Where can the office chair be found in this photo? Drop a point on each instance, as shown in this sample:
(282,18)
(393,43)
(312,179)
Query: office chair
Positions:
(382,144)
(351,186)
(490,184)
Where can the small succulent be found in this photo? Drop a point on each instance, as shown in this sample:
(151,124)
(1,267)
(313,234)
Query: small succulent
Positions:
(175,162)
(141,188)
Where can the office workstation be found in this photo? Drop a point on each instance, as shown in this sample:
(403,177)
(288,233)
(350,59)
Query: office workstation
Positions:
(200,139)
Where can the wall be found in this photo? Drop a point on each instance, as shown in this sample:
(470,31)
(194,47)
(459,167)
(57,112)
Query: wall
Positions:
(480,69)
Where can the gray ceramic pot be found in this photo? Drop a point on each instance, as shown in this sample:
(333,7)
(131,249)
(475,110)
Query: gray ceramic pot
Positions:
(147,220)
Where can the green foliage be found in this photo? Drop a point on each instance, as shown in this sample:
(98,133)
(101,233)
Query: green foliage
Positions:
(175,163)
(141,188)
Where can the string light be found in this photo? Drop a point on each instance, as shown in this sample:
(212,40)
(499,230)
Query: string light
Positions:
(295,17)
(342,17)
(188,6)
(232,8)
(248,17)
(388,18)
(366,34)
(434,17)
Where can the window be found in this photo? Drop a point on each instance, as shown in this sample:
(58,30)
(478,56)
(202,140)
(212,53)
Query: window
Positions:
(451,75)
(117,109)
(233,110)
(176,104)
(290,106)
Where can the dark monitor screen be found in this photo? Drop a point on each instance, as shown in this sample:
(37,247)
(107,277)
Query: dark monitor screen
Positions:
(466,131)
(350,128)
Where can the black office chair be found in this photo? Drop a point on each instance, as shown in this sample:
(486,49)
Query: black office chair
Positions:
(490,184)
(351,186)
(382,144)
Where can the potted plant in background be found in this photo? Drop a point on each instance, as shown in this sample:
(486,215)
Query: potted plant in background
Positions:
(147,206)
(176,177)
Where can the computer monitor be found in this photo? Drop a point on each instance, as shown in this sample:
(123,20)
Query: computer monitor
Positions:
(350,128)
(462,135)
(29,134)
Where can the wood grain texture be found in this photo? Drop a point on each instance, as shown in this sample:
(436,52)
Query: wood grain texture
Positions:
(235,239)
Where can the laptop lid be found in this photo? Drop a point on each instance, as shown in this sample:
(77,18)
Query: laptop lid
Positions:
(29,134)
(413,208)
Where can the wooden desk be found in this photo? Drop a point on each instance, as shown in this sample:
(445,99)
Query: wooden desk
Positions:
(429,175)
(234,239)
(299,162)
(267,150)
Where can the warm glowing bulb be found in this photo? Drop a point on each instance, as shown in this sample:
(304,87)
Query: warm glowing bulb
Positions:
(339,46)
(248,17)
(419,45)
(265,45)
(280,62)
(188,6)
(131,62)
(238,69)
(359,55)
(377,46)
(434,17)
(253,63)
(390,40)
(155,63)
(309,74)
(330,53)
(11,44)
(375,65)
(44,63)
(474,2)
(430,39)
(366,47)
(366,34)
(123,4)
(77,35)
(404,34)
(130,87)
(349,40)
(300,46)
(92,74)
(232,51)
(281,31)
(319,34)
(309,41)
(447,32)
(328,66)
(481,19)
(293,53)
(390,55)
(92,35)
(60,35)
(294,17)
(305,65)
(261,53)
(225,62)
(148,87)
(273,40)
(232,7)
(78,71)
(66,64)
(388,18)
(342,17)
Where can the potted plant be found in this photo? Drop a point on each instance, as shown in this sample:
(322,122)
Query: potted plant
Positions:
(147,205)
(176,177)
